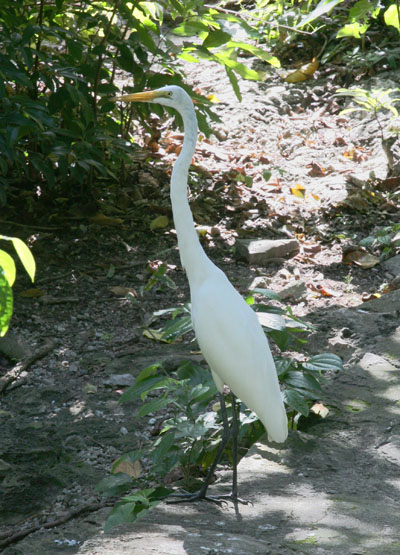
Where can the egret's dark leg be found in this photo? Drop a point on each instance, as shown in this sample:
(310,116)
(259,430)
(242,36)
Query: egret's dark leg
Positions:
(235,454)
(201,494)
(233,496)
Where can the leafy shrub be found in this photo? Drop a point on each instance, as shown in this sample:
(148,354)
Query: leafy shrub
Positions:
(7,278)
(59,65)
(191,426)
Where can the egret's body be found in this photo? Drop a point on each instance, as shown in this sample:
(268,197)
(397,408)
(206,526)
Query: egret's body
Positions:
(227,329)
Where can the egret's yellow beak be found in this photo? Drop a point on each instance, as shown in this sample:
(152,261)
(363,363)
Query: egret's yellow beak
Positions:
(146,96)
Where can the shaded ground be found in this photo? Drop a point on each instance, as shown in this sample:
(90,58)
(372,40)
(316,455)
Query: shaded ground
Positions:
(334,486)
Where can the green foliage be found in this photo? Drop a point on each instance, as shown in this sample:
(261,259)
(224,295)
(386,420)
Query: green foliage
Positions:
(385,239)
(191,424)
(58,69)
(373,101)
(7,277)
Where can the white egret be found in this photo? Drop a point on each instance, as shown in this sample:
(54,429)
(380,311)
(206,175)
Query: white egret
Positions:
(227,329)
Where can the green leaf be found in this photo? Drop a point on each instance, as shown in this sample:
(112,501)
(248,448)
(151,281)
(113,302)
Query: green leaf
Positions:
(143,387)
(266,293)
(25,256)
(256,51)
(8,266)
(296,401)
(148,371)
(282,365)
(154,406)
(6,304)
(216,38)
(234,83)
(323,363)
(298,380)
(242,70)
(191,29)
(323,7)
(391,16)
(115,484)
(177,328)
(354,30)
(271,321)
(160,452)
(133,507)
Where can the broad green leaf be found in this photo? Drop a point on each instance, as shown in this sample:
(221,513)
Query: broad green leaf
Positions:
(323,363)
(143,387)
(271,321)
(191,29)
(6,304)
(216,38)
(282,365)
(256,51)
(7,264)
(135,506)
(115,484)
(25,256)
(298,380)
(266,293)
(154,406)
(324,6)
(391,16)
(234,83)
(296,401)
(352,30)
(188,57)
(242,70)
(163,447)
(148,371)
(177,328)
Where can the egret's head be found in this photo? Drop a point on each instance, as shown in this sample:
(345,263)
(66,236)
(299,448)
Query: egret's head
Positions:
(171,95)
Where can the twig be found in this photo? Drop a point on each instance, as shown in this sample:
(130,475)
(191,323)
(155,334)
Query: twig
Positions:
(250,16)
(18,536)
(33,226)
(23,365)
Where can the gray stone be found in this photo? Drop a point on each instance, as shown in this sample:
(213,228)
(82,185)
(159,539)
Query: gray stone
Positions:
(296,289)
(262,251)
(120,380)
(387,303)
(393,265)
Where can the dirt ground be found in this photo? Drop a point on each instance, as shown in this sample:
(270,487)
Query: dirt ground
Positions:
(333,487)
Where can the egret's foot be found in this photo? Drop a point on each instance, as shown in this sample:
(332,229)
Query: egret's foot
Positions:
(187,497)
(234,499)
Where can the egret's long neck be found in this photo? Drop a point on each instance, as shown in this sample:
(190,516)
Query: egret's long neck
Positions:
(192,254)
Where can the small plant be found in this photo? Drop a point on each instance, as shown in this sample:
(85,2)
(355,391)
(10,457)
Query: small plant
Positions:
(385,239)
(191,425)
(373,101)
(7,278)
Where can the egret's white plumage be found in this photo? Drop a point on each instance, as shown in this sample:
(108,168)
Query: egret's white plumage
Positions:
(227,329)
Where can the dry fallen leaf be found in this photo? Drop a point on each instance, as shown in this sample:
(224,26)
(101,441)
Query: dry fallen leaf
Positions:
(31,293)
(299,191)
(159,222)
(120,291)
(303,73)
(319,408)
(360,257)
(103,220)
(134,470)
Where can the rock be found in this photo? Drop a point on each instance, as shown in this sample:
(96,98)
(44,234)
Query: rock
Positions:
(293,290)
(341,347)
(263,250)
(393,265)
(259,282)
(120,380)
(387,303)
